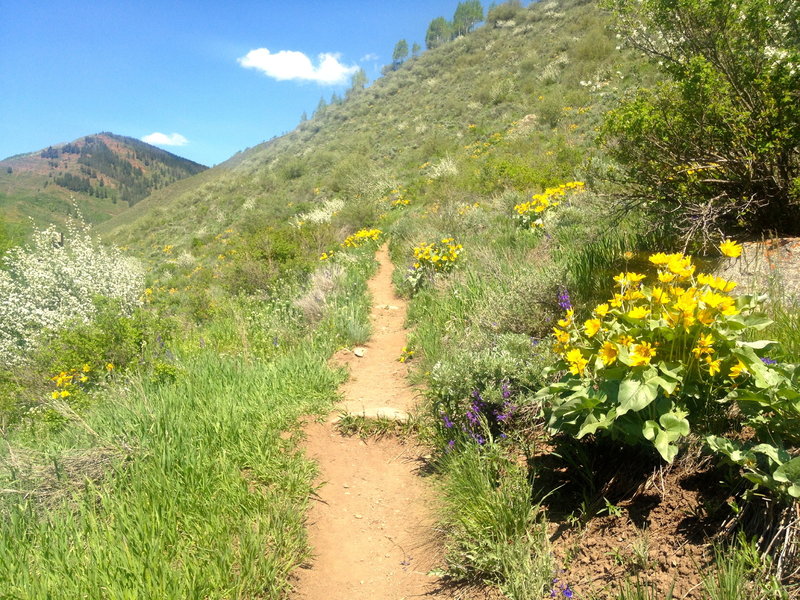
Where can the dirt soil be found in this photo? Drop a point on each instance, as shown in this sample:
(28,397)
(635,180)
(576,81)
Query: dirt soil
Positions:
(371,523)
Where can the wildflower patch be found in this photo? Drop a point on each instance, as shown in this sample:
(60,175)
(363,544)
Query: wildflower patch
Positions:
(531,214)
(664,354)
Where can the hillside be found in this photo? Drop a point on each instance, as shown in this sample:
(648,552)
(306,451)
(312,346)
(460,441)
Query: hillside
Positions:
(586,406)
(104,174)
(546,73)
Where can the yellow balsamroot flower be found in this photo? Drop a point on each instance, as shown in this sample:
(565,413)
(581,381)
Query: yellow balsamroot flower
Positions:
(642,353)
(567,320)
(616,301)
(64,393)
(659,296)
(601,310)
(54,395)
(737,370)
(704,346)
(608,353)
(665,277)
(681,266)
(714,366)
(86,368)
(591,327)
(730,248)
(628,278)
(640,312)
(577,363)
(705,316)
(560,335)
(659,258)
(718,283)
(625,340)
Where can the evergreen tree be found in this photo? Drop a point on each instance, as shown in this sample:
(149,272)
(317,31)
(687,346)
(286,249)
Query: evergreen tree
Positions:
(358,81)
(439,31)
(400,53)
(467,15)
(415,50)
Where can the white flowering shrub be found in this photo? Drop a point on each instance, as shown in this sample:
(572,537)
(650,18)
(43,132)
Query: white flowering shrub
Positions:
(54,280)
(322,214)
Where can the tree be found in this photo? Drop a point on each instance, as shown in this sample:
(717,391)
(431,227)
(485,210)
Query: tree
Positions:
(717,143)
(400,53)
(415,50)
(439,32)
(321,106)
(358,81)
(467,14)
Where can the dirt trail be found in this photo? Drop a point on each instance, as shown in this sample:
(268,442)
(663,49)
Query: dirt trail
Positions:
(371,527)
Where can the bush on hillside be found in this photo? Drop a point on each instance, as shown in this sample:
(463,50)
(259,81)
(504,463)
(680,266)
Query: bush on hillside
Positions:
(55,280)
(718,142)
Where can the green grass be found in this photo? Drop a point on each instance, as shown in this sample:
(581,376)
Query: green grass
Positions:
(208,503)
(186,486)
(495,531)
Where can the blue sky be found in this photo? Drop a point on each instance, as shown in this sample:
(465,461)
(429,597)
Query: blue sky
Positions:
(140,67)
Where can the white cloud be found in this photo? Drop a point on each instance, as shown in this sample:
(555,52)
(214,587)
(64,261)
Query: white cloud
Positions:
(289,64)
(162,139)
(369,57)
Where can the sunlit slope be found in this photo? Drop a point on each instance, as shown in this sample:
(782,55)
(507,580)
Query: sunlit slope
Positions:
(538,83)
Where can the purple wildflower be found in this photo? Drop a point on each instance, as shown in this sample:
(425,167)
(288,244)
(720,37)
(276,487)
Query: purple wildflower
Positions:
(506,390)
(563,299)
(567,592)
(768,361)
(447,422)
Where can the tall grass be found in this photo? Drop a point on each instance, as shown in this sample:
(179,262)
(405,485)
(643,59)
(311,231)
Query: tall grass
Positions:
(496,533)
(209,503)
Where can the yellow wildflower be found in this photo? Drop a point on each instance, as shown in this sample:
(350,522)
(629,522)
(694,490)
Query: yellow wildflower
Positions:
(577,361)
(591,327)
(625,340)
(560,335)
(640,312)
(730,248)
(714,366)
(601,310)
(109,367)
(567,320)
(608,353)
(642,354)
(659,258)
(737,369)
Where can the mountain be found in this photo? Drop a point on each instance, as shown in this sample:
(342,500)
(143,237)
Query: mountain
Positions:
(104,174)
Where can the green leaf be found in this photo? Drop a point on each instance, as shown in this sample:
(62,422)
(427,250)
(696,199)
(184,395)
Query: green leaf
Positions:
(634,395)
(758,345)
(789,472)
(675,423)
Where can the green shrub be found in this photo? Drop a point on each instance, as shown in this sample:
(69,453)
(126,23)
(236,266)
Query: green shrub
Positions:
(719,140)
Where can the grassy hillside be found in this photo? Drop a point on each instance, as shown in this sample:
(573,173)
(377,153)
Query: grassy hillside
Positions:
(604,413)
(101,174)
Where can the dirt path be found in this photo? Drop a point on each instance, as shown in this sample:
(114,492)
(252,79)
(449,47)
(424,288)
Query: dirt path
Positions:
(371,527)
